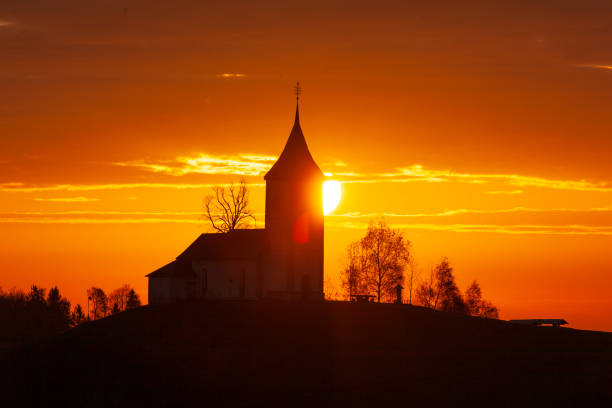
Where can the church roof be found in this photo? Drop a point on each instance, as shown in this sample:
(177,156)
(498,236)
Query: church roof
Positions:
(174,269)
(295,162)
(237,244)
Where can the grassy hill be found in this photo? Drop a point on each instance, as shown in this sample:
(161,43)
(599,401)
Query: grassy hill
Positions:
(278,353)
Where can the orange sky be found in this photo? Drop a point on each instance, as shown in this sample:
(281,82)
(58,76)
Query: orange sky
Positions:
(482,130)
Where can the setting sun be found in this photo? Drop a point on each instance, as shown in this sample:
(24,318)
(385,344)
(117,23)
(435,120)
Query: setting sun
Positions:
(332,192)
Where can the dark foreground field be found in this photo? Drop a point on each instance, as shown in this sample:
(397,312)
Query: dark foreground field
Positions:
(308,354)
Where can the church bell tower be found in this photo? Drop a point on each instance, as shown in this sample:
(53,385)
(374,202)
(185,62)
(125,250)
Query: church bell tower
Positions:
(294,220)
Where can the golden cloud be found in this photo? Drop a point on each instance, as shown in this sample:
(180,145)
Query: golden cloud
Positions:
(494,228)
(461,211)
(228,75)
(598,66)
(243,164)
(24,188)
(68,199)
(503,192)
(353,220)
(418,173)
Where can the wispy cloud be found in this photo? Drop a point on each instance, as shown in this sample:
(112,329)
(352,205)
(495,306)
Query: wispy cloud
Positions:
(458,228)
(518,229)
(598,66)
(106,217)
(18,220)
(353,220)
(460,211)
(26,188)
(418,172)
(243,164)
(67,199)
(504,192)
(229,75)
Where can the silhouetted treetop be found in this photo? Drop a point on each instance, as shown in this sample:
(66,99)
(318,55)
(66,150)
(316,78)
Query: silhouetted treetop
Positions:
(227,208)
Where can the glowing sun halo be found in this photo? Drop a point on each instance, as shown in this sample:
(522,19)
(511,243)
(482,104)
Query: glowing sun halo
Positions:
(332,191)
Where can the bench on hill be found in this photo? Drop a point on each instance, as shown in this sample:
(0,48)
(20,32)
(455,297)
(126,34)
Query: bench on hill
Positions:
(362,298)
(540,322)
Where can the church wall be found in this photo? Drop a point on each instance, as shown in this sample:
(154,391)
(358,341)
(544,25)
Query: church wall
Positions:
(165,289)
(295,228)
(224,279)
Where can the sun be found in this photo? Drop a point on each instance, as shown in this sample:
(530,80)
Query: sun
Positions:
(332,192)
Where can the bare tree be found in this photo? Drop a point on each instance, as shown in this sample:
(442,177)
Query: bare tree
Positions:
(99,302)
(119,296)
(427,292)
(227,208)
(476,305)
(375,264)
(353,275)
(449,297)
(133,300)
(412,276)
(440,292)
(330,290)
(78,316)
(387,252)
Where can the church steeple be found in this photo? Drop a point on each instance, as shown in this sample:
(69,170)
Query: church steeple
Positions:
(298,92)
(295,161)
(294,219)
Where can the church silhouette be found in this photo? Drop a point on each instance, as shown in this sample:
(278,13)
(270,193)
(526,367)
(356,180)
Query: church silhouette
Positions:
(283,260)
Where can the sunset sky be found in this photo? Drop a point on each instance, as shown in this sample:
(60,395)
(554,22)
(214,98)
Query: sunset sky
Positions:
(483,130)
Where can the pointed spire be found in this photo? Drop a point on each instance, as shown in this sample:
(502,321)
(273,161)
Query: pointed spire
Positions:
(297,115)
(298,92)
(295,162)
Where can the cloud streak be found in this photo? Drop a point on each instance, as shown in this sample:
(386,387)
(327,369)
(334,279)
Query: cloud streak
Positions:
(25,188)
(418,172)
(79,199)
(348,220)
(505,192)
(258,164)
(461,211)
(598,66)
(518,229)
(229,75)
(243,165)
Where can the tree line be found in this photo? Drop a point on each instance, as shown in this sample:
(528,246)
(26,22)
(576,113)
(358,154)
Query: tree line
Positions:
(382,259)
(34,314)
(99,304)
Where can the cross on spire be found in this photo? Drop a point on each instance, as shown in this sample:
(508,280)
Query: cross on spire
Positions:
(298,91)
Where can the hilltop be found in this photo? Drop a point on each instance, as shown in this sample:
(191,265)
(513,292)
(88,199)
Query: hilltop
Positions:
(309,353)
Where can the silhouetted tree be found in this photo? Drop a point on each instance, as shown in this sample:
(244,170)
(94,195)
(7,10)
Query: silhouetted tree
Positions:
(120,297)
(387,252)
(29,316)
(78,316)
(133,300)
(330,290)
(440,292)
(353,276)
(411,278)
(36,296)
(99,302)
(115,308)
(36,308)
(59,310)
(375,264)
(476,305)
(227,208)
(426,293)
(449,297)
